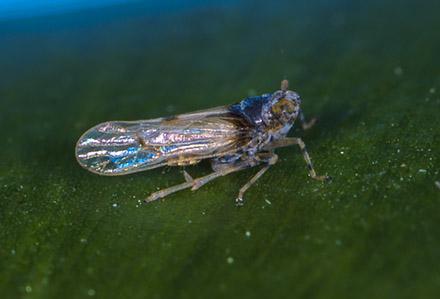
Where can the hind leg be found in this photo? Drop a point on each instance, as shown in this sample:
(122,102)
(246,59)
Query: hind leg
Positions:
(195,184)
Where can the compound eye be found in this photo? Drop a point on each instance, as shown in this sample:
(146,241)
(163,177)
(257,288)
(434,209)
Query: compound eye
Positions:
(284,105)
(291,107)
(287,106)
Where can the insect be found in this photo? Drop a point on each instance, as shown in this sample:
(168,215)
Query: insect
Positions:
(233,137)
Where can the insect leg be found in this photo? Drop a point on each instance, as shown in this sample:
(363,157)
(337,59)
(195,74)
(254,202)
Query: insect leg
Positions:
(195,184)
(187,176)
(225,170)
(306,124)
(298,141)
(168,191)
(272,160)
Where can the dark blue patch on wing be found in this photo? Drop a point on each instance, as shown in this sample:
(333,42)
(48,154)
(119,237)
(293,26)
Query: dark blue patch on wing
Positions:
(132,157)
(251,109)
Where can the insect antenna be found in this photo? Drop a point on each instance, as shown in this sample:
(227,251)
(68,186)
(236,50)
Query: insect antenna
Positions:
(284,85)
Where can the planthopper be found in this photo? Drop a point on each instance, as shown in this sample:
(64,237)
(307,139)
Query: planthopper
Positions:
(233,138)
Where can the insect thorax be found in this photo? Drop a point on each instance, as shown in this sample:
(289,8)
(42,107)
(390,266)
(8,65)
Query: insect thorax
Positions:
(271,116)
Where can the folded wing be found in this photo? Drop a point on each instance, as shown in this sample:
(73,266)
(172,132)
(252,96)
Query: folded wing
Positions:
(116,148)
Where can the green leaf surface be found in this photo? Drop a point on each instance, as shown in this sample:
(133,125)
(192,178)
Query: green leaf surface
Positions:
(368,70)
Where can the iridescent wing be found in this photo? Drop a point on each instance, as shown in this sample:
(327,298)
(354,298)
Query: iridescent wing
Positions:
(119,147)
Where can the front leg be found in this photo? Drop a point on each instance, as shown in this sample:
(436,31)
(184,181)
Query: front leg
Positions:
(298,141)
(305,125)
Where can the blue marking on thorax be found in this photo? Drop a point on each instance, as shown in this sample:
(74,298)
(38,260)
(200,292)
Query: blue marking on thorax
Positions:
(251,108)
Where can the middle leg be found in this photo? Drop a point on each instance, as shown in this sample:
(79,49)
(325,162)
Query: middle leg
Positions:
(271,161)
